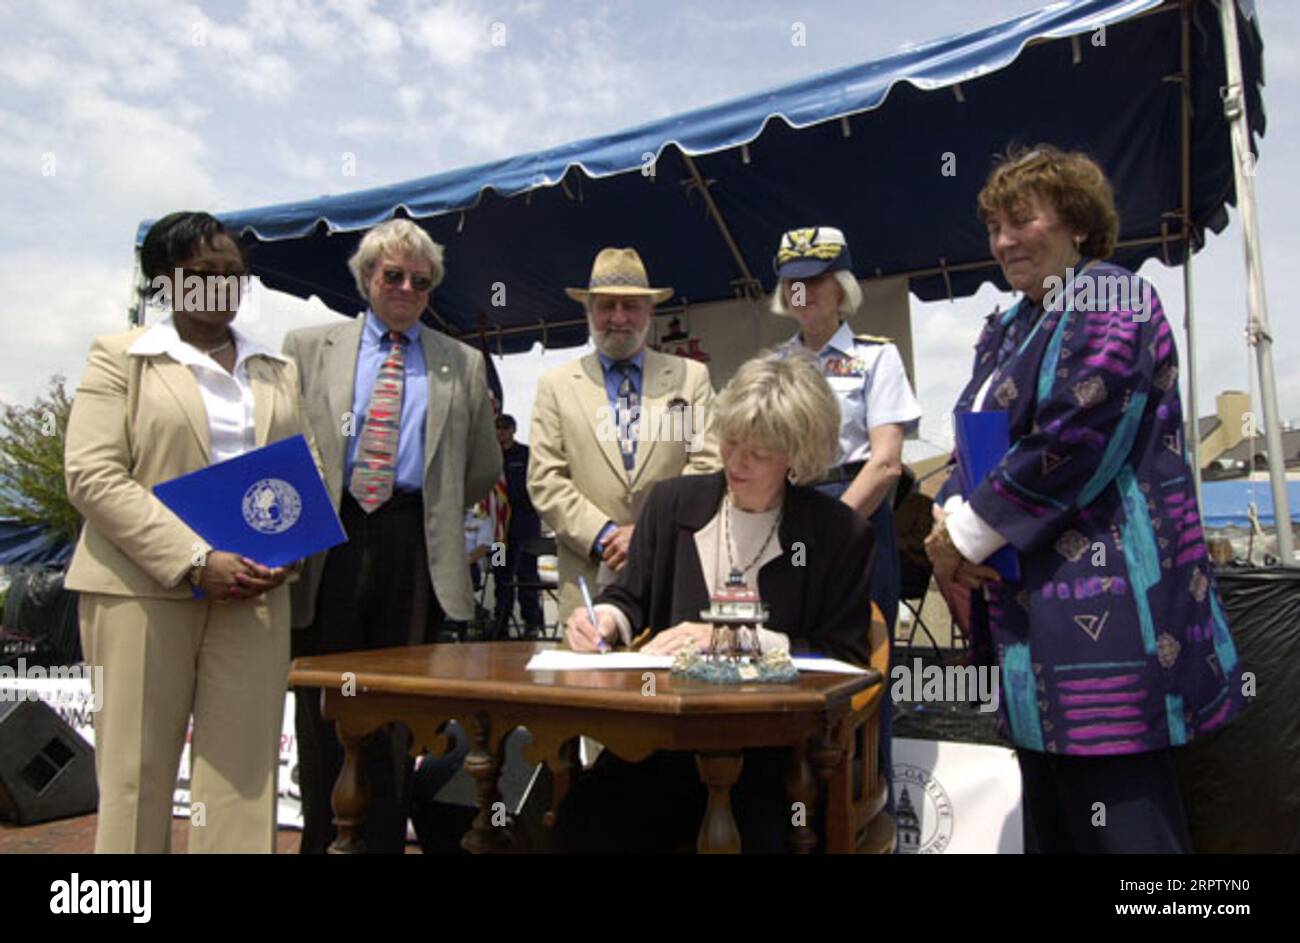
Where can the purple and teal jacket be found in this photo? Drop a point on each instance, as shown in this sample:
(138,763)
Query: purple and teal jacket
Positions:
(1114,641)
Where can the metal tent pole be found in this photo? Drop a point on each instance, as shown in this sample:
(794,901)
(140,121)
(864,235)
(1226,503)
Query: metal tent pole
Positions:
(1194,425)
(1193,433)
(1234,109)
(750,285)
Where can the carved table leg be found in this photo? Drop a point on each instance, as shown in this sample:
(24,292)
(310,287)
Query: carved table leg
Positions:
(350,797)
(718,832)
(491,831)
(826,755)
(801,790)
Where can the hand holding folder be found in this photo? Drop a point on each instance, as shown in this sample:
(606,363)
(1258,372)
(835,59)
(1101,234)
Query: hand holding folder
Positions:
(982,439)
(268,505)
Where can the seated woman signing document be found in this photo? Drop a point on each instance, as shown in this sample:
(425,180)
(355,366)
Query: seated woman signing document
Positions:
(807,555)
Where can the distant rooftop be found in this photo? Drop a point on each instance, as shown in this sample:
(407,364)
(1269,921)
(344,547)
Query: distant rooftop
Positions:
(1257,445)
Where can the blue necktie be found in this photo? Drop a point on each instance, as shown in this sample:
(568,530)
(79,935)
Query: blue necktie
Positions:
(629,418)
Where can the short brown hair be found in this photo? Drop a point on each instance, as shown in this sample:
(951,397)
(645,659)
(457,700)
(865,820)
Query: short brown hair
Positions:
(1073,183)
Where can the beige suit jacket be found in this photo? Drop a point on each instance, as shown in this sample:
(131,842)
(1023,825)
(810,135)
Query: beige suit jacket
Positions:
(137,421)
(576,477)
(462,459)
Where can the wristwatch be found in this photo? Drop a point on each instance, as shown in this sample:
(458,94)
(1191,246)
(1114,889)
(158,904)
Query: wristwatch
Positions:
(195,576)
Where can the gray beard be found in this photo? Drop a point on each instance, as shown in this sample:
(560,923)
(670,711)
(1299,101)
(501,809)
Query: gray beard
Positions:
(618,346)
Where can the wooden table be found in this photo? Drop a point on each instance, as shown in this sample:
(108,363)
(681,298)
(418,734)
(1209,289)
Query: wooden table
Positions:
(486,688)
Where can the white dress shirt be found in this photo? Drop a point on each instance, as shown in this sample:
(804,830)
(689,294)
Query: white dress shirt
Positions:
(868,380)
(227,397)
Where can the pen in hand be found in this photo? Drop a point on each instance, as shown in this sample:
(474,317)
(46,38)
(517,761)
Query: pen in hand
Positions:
(601,646)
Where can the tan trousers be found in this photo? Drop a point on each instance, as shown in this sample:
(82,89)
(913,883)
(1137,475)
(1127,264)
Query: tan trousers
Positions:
(164,660)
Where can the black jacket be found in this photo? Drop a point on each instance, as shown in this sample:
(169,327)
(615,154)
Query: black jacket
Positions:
(820,597)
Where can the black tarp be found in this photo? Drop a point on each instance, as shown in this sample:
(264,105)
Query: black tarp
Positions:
(40,620)
(1241,784)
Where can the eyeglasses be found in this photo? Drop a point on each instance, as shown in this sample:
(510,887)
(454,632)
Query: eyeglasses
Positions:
(396,277)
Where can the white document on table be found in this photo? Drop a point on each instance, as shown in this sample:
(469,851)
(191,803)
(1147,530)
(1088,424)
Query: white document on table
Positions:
(558,659)
(826,665)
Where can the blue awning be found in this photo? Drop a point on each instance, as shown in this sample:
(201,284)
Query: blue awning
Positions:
(31,544)
(891,151)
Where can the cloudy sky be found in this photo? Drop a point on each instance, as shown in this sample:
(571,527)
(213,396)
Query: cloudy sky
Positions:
(111,113)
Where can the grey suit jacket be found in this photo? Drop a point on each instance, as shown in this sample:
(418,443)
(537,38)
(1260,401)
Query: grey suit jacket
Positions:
(462,459)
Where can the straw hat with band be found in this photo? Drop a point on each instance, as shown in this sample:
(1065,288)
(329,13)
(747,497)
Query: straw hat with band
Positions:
(804,253)
(619,272)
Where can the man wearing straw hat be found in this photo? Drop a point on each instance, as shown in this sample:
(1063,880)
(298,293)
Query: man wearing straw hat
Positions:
(608,426)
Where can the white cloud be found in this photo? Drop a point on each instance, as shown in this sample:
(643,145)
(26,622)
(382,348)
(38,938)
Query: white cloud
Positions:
(138,60)
(379,37)
(30,68)
(452,35)
(280,21)
(131,154)
(265,75)
(314,168)
(409,99)
(55,303)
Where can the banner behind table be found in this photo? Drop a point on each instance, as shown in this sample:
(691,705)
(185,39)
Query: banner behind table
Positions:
(70,698)
(962,798)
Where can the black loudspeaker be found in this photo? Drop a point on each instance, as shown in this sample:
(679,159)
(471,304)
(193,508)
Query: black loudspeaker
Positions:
(47,771)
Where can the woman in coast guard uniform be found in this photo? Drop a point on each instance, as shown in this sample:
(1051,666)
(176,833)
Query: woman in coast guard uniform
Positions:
(877,407)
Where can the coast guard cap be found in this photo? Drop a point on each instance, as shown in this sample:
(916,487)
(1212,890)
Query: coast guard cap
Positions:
(804,253)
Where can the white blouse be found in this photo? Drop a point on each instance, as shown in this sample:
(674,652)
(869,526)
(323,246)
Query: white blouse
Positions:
(748,531)
(227,397)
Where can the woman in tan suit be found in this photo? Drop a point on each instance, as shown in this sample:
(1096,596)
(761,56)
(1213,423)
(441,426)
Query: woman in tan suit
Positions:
(182,629)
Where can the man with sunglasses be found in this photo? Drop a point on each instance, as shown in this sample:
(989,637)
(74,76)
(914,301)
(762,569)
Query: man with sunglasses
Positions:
(407,437)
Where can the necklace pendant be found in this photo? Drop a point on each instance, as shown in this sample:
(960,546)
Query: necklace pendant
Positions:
(735,577)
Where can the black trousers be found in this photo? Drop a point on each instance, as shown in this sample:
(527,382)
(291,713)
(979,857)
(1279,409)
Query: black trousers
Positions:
(518,567)
(1102,804)
(374,593)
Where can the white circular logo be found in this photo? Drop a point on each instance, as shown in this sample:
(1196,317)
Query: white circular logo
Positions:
(922,811)
(271,506)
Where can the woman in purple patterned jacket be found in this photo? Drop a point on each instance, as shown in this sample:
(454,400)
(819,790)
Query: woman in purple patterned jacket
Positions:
(1112,646)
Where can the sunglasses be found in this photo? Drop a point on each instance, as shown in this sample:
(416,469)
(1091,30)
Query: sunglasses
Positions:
(396,277)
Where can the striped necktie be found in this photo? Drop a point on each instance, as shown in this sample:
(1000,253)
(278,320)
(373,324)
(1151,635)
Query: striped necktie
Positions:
(629,402)
(376,464)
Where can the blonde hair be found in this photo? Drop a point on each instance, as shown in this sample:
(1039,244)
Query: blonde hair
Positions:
(1071,182)
(396,235)
(850,294)
(781,402)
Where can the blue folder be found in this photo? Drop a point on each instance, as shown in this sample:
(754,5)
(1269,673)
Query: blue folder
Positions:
(982,439)
(269,504)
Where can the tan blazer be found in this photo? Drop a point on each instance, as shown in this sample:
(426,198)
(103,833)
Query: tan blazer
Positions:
(462,459)
(576,477)
(138,421)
